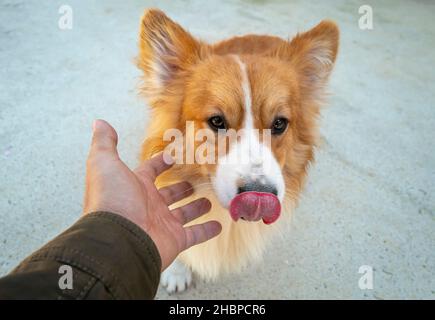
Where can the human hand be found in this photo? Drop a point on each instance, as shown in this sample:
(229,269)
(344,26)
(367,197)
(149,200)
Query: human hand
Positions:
(112,186)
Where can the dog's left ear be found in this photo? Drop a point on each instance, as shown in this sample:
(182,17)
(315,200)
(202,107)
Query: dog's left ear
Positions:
(165,49)
(312,54)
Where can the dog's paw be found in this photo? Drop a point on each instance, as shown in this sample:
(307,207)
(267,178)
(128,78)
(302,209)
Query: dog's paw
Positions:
(176,278)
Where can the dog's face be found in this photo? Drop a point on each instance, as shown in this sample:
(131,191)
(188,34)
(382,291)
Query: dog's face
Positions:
(268,102)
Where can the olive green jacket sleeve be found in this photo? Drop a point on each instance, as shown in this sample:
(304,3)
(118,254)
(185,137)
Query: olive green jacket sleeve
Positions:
(102,256)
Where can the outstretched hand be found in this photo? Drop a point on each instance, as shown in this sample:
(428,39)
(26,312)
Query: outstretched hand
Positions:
(112,186)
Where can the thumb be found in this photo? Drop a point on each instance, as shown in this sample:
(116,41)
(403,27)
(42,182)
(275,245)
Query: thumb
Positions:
(104,138)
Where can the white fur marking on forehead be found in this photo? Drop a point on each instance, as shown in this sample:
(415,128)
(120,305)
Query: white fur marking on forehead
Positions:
(248,160)
(249,121)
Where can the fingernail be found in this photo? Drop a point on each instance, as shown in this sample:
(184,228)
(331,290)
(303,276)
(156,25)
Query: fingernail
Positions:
(207,203)
(94,125)
(216,227)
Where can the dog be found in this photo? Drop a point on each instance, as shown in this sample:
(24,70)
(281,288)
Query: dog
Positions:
(247,83)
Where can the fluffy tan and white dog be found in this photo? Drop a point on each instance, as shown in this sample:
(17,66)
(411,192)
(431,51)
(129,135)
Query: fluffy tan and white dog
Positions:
(250,83)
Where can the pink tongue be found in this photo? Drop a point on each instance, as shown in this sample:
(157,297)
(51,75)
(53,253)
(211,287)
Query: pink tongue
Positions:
(254,206)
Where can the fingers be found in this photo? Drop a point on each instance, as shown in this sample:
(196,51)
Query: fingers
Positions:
(155,166)
(202,232)
(192,210)
(104,139)
(176,192)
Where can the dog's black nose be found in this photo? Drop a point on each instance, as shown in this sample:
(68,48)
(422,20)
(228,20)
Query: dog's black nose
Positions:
(259,187)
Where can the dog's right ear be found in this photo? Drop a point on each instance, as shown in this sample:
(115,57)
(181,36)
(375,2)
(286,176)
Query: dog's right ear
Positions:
(165,49)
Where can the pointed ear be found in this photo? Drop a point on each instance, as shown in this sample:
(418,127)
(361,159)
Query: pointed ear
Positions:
(313,54)
(165,49)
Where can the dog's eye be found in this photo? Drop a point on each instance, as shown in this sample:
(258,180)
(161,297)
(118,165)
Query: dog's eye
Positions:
(217,122)
(279,125)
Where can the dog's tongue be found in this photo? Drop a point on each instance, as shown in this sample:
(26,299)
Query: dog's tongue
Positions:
(253,206)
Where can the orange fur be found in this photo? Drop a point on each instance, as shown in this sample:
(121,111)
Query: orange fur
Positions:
(186,79)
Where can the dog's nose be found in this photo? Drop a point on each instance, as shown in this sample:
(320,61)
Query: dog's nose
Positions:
(259,187)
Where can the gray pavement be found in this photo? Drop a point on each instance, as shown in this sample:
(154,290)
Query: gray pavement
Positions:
(370,198)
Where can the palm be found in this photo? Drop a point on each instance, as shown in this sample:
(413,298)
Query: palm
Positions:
(167,227)
(112,186)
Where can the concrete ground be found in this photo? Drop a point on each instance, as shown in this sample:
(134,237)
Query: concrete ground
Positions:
(370,199)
